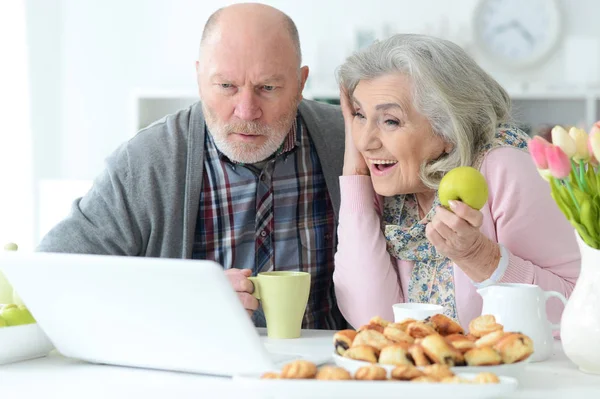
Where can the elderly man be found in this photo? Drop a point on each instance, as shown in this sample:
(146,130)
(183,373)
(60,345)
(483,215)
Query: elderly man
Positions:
(247,177)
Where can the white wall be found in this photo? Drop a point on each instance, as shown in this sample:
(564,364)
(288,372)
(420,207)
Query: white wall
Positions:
(88,57)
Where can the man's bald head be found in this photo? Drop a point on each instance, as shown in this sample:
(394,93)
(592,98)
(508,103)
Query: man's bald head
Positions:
(246,16)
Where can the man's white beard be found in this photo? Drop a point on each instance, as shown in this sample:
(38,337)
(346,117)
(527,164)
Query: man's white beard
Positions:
(248,152)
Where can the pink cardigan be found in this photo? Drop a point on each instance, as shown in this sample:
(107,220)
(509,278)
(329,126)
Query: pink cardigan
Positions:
(520,214)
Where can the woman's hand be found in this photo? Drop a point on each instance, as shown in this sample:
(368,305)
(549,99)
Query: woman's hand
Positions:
(457,236)
(354,163)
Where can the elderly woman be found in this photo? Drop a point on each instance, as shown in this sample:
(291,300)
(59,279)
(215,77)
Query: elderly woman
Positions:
(416,107)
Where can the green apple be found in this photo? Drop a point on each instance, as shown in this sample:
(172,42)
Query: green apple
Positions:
(464,184)
(14,315)
(11,246)
(2,322)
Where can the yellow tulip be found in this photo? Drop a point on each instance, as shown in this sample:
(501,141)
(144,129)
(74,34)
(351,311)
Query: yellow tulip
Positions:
(594,142)
(580,138)
(545,173)
(561,138)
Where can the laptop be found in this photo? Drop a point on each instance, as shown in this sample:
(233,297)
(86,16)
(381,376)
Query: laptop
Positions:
(158,313)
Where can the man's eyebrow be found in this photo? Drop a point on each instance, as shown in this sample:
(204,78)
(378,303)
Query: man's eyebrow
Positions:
(277,78)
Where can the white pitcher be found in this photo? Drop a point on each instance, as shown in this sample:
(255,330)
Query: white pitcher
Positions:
(522,308)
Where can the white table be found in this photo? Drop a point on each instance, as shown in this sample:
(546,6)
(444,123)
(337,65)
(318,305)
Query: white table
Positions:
(58,377)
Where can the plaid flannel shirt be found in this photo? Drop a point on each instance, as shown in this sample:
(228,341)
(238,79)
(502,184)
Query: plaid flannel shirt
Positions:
(279,217)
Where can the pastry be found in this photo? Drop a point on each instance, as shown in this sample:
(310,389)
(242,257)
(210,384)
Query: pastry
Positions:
(485,356)
(403,325)
(444,325)
(270,376)
(376,327)
(362,352)
(395,355)
(299,369)
(486,378)
(483,325)
(418,329)
(424,378)
(460,342)
(342,340)
(371,373)
(490,339)
(514,347)
(396,334)
(454,380)
(372,338)
(438,371)
(333,373)
(441,352)
(378,320)
(418,355)
(406,372)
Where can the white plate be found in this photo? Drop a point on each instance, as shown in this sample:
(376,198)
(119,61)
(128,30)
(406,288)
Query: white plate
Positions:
(255,387)
(507,370)
(24,342)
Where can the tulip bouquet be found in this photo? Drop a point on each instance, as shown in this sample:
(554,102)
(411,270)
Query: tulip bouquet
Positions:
(570,165)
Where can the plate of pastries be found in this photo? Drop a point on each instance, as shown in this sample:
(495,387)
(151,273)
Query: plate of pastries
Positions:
(303,378)
(437,340)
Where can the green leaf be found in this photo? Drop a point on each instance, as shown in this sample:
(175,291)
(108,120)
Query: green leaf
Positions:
(590,178)
(583,233)
(556,193)
(589,218)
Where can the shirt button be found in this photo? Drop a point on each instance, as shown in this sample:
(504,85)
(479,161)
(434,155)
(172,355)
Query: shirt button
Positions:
(327,236)
(263,233)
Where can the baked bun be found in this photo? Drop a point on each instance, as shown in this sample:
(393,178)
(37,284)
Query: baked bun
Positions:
(371,373)
(406,372)
(514,347)
(438,371)
(333,373)
(418,329)
(395,355)
(362,352)
(372,338)
(379,321)
(444,325)
(299,369)
(454,380)
(460,342)
(270,376)
(490,339)
(425,378)
(418,356)
(393,332)
(486,378)
(441,352)
(483,325)
(403,325)
(485,356)
(342,340)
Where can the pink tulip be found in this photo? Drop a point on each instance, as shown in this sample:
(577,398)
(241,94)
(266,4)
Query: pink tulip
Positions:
(537,149)
(558,161)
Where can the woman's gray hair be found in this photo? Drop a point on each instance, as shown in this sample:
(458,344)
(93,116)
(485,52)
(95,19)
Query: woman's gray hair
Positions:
(463,104)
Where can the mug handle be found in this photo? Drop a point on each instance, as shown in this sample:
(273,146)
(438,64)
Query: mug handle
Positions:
(254,281)
(550,294)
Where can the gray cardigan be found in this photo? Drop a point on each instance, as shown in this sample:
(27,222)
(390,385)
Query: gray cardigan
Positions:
(145,203)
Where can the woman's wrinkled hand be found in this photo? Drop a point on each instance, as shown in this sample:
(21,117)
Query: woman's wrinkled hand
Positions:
(354,163)
(456,234)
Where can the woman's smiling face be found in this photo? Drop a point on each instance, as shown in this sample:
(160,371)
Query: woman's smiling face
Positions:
(392,136)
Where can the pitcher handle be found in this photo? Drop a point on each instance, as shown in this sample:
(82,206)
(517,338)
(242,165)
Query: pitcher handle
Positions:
(550,294)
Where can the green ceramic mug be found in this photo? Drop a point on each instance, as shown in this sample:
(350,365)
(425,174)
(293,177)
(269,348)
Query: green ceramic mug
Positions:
(283,296)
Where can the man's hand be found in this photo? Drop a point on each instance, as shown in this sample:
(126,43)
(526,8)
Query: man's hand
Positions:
(238,278)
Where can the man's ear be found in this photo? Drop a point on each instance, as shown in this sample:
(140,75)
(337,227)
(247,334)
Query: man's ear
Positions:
(303,77)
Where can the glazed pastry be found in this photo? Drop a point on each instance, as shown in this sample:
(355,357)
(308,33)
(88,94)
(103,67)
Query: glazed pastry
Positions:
(371,373)
(372,338)
(514,347)
(486,378)
(439,351)
(418,329)
(485,356)
(444,325)
(460,342)
(270,376)
(376,327)
(333,373)
(406,372)
(342,340)
(299,369)
(395,355)
(483,325)
(394,333)
(403,325)
(424,378)
(362,352)
(438,371)
(418,356)
(490,339)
